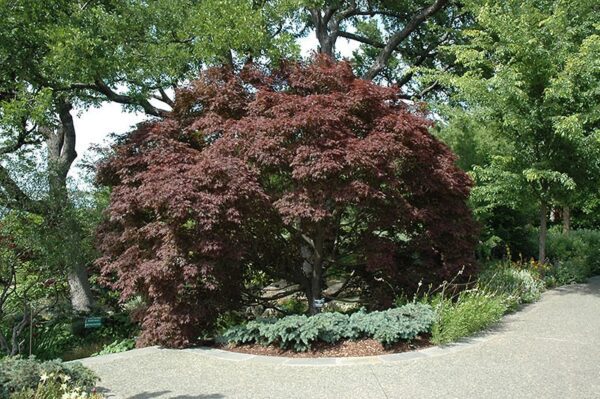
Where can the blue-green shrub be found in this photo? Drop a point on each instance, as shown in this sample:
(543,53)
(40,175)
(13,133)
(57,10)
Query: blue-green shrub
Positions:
(300,332)
(392,325)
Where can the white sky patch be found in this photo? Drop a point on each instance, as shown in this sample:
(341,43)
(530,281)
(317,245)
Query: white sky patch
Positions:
(95,124)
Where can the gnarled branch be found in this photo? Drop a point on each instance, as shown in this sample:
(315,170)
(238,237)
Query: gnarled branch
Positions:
(398,37)
(127,100)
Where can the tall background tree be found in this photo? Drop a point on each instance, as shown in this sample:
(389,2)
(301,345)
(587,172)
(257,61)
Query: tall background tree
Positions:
(62,55)
(534,140)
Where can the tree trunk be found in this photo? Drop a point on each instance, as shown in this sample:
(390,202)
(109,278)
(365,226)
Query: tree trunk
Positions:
(312,287)
(79,286)
(326,38)
(61,154)
(315,288)
(566,219)
(543,232)
(307,271)
(312,254)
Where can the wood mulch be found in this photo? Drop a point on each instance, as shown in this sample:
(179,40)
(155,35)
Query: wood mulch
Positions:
(359,348)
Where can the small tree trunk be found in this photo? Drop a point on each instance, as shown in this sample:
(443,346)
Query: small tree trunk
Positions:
(307,270)
(566,219)
(313,269)
(315,288)
(543,232)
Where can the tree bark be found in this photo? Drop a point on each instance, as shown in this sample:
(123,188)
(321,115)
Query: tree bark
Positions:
(326,38)
(312,266)
(543,232)
(316,289)
(79,287)
(566,219)
(61,154)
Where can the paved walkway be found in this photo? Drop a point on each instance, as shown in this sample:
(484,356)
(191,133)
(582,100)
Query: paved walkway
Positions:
(551,349)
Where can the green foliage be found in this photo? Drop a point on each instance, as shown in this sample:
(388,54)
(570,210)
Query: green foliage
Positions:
(523,114)
(54,387)
(18,374)
(574,257)
(52,338)
(293,306)
(512,282)
(117,346)
(299,332)
(393,325)
(503,285)
(64,336)
(471,312)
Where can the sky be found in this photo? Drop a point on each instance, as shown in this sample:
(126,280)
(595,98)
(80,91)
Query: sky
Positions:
(96,124)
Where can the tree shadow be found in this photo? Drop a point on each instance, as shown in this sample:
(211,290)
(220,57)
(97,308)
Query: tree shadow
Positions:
(156,394)
(591,287)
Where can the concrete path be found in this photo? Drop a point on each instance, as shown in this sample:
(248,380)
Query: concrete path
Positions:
(550,349)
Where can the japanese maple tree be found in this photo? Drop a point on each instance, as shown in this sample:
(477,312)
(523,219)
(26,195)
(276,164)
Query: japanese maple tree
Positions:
(296,173)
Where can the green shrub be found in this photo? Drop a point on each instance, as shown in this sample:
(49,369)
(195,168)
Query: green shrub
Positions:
(55,387)
(18,374)
(293,306)
(517,285)
(65,336)
(574,256)
(472,311)
(117,346)
(299,332)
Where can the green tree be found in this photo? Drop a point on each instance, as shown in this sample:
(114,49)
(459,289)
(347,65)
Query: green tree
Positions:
(58,55)
(530,79)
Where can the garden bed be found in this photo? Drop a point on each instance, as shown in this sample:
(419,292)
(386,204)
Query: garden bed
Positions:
(346,348)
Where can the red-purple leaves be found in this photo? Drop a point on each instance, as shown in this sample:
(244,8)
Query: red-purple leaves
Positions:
(252,167)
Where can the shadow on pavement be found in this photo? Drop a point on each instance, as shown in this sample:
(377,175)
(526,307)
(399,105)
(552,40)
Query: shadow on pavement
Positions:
(157,394)
(149,395)
(591,287)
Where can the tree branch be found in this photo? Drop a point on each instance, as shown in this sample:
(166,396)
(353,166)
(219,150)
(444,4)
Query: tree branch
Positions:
(22,140)
(421,59)
(127,100)
(397,38)
(13,197)
(67,151)
(361,39)
(260,299)
(165,98)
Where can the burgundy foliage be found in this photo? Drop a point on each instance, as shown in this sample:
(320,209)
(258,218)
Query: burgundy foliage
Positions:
(297,173)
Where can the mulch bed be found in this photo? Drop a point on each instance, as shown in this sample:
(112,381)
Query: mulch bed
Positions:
(363,347)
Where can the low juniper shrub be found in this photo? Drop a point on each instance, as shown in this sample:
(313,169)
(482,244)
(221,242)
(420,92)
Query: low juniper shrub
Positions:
(300,332)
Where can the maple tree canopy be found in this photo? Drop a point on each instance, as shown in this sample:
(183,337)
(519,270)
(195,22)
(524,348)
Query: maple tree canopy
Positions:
(300,173)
